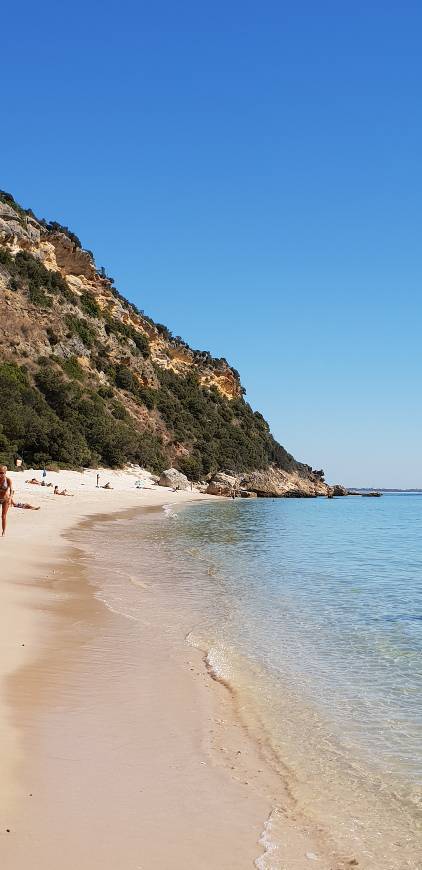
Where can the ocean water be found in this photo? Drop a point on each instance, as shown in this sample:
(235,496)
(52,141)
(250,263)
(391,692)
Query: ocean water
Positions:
(311,610)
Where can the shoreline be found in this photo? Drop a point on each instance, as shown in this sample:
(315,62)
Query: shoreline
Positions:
(52,615)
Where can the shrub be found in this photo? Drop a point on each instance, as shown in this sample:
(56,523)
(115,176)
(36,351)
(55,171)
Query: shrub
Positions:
(72,368)
(141,342)
(52,337)
(192,466)
(80,327)
(125,379)
(38,297)
(106,392)
(90,305)
(162,330)
(6,258)
(147,397)
(150,453)
(119,411)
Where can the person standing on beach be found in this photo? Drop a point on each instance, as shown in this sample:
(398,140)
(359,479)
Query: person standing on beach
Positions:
(6,492)
(98,480)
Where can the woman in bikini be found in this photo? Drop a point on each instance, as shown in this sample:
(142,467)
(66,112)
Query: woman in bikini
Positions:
(6,492)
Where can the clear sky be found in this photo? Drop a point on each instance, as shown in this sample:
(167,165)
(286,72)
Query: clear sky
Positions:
(250,174)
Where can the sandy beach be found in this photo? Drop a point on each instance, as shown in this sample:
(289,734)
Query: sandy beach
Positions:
(118,748)
(110,783)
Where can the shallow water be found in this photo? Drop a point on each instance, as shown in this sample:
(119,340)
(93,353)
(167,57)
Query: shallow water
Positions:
(312,611)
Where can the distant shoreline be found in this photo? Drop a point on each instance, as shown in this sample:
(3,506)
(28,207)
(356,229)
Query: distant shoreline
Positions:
(383,489)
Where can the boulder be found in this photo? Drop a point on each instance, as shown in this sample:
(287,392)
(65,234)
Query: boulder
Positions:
(174,478)
(338,489)
(246,493)
(222,484)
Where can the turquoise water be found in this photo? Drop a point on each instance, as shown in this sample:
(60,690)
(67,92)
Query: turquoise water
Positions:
(312,611)
(328,594)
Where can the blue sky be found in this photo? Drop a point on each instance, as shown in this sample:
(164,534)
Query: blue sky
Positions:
(250,174)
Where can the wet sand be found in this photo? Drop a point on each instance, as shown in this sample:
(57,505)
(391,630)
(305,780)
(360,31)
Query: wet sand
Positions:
(119,749)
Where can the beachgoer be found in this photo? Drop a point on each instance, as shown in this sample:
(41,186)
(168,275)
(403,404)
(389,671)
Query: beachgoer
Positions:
(98,480)
(107,486)
(25,506)
(34,481)
(6,492)
(63,492)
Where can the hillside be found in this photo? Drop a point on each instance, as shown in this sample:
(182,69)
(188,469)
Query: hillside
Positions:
(87,378)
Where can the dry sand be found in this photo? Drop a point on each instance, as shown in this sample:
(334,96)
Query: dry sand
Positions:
(118,751)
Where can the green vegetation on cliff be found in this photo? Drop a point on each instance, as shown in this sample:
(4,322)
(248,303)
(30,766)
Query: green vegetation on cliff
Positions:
(57,417)
(56,420)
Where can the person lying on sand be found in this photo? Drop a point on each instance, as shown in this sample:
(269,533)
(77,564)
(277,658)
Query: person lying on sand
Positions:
(24,505)
(63,492)
(38,482)
(6,492)
(106,486)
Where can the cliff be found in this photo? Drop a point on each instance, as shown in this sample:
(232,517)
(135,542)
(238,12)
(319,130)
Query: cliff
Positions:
(86,377)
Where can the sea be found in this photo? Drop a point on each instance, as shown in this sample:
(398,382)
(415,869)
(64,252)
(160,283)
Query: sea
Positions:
(310,610)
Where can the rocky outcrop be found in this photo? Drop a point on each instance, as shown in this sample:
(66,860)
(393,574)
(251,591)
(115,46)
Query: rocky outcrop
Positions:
(174,478)
(70,259)
(339,490)
(17,231)
(222,484)
(275,483)
(268,483)
(226,484)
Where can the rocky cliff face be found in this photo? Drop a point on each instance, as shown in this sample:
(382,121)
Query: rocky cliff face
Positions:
(20,232)
(66,330)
